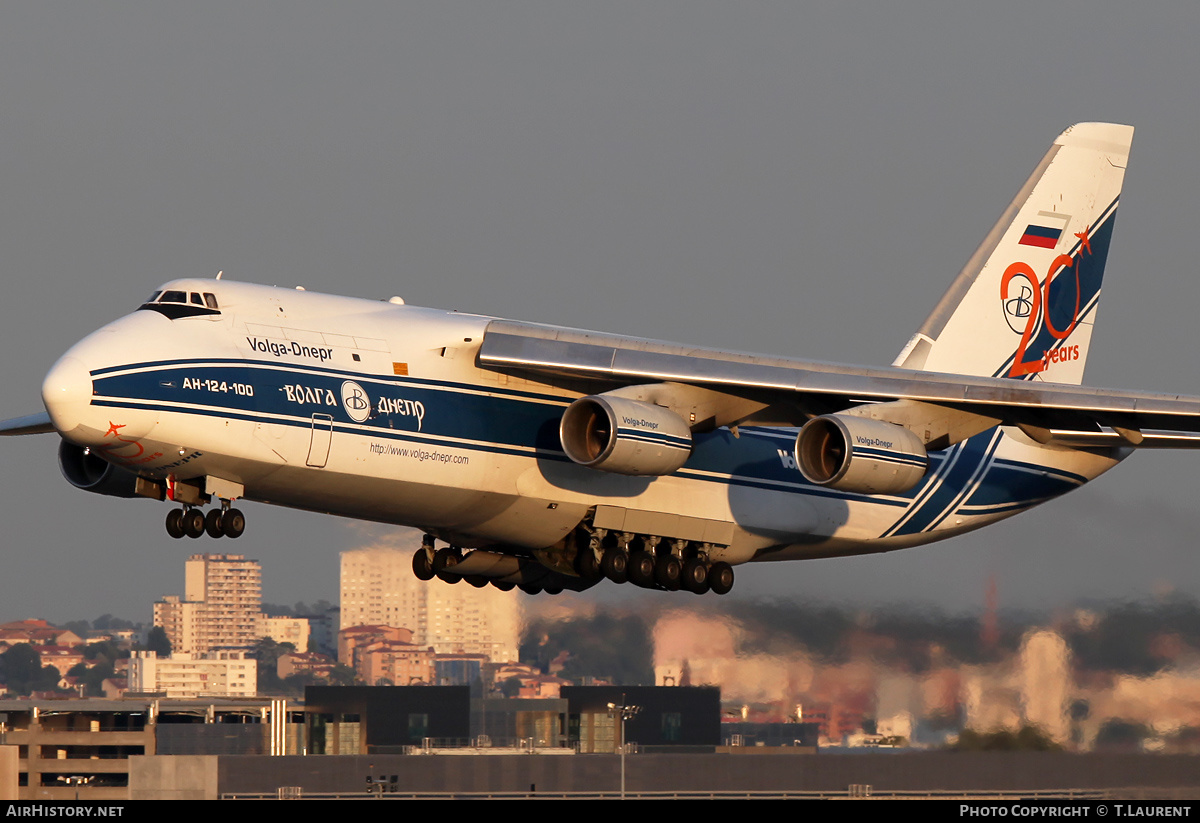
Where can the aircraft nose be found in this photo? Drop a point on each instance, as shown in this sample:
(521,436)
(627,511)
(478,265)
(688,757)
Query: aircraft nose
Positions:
(67,394)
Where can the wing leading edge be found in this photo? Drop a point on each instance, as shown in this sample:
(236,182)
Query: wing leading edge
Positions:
(29,424)
(766,390)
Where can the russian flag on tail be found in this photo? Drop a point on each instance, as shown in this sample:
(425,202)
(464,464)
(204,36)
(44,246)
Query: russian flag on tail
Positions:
(1046,232)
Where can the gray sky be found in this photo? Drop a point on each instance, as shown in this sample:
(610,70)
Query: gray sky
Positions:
(793,178)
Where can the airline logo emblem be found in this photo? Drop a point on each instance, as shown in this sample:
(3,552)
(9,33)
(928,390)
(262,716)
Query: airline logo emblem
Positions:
(355,401)
(1019,306)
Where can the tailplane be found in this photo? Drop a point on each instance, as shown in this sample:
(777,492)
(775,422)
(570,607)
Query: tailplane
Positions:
(1025,303)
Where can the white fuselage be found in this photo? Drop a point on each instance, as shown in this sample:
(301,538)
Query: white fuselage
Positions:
(378,411)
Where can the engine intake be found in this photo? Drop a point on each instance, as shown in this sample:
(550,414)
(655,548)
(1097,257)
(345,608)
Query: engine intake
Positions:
(859,455)
(86,471)
(615,434)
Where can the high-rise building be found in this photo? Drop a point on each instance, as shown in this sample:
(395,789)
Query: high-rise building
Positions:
(220,608)
(379,588)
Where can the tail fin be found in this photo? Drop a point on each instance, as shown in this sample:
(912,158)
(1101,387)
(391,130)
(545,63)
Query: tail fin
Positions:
(1025,303)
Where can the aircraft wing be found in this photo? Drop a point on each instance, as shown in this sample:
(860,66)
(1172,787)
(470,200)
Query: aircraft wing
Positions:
(29,424)
(765,390)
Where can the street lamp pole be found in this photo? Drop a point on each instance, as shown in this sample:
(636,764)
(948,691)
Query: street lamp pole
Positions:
(621,712)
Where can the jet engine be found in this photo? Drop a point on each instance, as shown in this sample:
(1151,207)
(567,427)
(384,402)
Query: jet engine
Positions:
(859,455)
(616,434)
(86,471)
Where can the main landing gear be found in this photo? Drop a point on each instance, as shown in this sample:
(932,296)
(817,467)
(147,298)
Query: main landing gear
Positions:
(192,522)
(648,561)
(651,562)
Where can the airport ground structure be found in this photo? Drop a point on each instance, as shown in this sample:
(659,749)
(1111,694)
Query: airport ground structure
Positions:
(396,742)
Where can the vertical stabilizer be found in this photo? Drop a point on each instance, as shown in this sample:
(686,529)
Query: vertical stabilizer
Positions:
(1025,303)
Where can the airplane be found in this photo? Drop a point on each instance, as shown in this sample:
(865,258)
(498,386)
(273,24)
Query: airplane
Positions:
(552,458)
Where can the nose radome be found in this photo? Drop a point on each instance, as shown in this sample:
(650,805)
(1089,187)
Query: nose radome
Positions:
(67,394)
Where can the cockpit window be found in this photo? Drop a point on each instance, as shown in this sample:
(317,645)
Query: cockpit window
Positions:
(174,304)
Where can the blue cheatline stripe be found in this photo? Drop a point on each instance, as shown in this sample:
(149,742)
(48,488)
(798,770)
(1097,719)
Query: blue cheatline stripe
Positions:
(665,441)
(1021,465)
(957,479)
(884,456)
(976,478)
(328,371)
(514,424)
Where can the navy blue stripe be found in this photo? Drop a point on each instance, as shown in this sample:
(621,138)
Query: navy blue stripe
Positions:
(273,365)
(506,424)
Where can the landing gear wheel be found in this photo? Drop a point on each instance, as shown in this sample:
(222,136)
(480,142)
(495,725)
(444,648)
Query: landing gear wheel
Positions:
(641,569)
(476,580)
(446,558)
(587,565)
(504,587)
(667,571)
(530,588)
(175,523)
(615,565)
(233,522)
(212,523)
(553,590)
(720,577)
(695,576)
(422,566)
(193,522)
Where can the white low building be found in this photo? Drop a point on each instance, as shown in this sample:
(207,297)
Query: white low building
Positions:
(229,673)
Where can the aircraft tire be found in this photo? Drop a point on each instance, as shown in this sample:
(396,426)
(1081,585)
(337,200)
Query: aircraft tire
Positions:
(695,575)
(233,523)
(175,523)
(446,558)
(667,572)
(641,569)
(615,565)
(530,588)
(422,568)
(720,577)
(193,522)
(503,586)
(587,565)
(212,523)
(476,580)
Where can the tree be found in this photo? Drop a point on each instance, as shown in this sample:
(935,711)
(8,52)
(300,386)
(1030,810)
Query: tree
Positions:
(267,651)
(158,642)
(24,673)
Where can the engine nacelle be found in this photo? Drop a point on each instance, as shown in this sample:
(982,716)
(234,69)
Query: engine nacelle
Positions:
(860,455)
(86,471)
(615,434)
